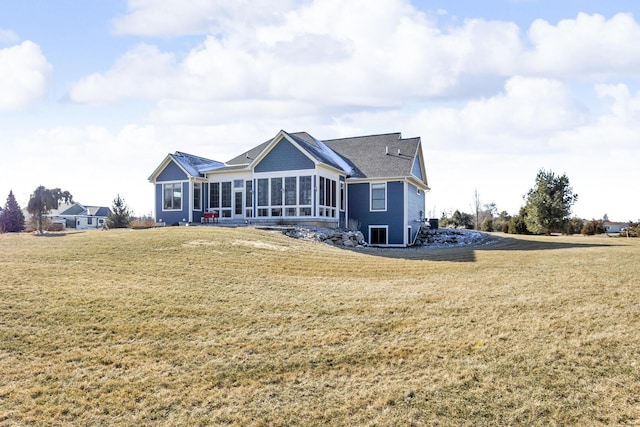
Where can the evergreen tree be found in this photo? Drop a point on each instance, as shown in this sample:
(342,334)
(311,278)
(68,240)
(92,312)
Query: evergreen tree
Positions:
(120,216)
(11,218)
(43,200)
(549,203)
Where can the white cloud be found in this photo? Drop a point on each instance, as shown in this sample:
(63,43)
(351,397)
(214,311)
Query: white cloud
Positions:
(142,72)
(169,17)
(325,53)
(8,36)
(589,45)
(24,75)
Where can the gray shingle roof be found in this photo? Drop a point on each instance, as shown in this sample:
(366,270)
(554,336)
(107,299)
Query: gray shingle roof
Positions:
(372,156)
(376,156)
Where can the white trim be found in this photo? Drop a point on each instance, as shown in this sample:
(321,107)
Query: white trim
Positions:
(386,227)
(405,211)
(163,183)
(386,196)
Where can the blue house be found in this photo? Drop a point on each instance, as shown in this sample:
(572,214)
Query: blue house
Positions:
(374,183)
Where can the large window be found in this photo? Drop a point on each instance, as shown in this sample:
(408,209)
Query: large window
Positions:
(379,197)
(172,196)
(197,196)
(220,197)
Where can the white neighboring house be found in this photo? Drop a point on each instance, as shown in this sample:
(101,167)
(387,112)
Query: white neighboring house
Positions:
(81,217)
(615,227)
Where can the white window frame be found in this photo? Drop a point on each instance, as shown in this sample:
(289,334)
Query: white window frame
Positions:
(386,227)
(371,188)
(173,209)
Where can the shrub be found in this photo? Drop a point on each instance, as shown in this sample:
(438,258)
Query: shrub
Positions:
(487,225)
(573,226)
(594,227)
(505,227)
(517,225)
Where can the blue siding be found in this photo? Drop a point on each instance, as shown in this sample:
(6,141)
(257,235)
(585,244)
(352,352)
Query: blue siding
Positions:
(393,217)
(416,170)
(172,172)
(172,217)
(284,156)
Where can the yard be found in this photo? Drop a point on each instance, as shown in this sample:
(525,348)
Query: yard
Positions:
(223,326)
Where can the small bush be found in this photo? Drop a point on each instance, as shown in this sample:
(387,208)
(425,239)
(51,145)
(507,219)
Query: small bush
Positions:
(142,223)
(487,225)
(55,226)
(593,227)
(505,227)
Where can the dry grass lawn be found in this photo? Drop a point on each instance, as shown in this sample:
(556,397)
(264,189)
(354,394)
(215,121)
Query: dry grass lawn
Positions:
(222,326)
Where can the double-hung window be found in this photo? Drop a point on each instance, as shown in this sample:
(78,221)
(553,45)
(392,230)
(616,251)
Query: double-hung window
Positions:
(172,196)
(379,196)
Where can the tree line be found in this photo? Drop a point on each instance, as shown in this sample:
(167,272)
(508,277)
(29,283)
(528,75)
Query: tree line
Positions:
(547,210)
(43,200)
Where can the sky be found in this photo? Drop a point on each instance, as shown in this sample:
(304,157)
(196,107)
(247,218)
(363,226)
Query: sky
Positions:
(94,95)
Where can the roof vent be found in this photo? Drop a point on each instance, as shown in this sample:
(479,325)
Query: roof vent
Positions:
(398,151)
(386,150)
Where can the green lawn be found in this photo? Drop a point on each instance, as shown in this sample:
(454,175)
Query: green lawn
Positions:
(224,326)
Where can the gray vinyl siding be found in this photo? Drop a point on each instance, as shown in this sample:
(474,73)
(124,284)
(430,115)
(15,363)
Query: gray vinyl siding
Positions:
(393,217)
(416,209)
(284,156)
(416,170)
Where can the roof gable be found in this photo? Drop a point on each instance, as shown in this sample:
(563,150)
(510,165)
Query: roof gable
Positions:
(284,156)
(184,166)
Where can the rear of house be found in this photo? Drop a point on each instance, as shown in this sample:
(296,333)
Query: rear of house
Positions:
(374,183)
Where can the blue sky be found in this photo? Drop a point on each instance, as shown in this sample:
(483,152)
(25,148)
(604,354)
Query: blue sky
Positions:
(95,94)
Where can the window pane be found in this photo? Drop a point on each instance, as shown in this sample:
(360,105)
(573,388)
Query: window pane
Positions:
(237,183)
(197,189)
(333,193)
(305,191)
(321,191)
(214,195)
(290,190)
(276,191)
(378,236)
(263,192)
(249,194)
(226,194)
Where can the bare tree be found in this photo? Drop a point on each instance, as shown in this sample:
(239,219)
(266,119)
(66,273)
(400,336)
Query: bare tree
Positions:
(477,204)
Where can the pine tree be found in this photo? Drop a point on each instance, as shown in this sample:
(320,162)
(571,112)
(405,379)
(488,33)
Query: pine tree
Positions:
(549,203)
(11,218)
(120,216)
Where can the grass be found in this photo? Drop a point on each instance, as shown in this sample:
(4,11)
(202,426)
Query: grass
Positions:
(221,326)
